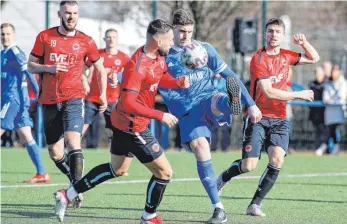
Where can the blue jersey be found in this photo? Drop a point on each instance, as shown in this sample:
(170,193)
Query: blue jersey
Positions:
(180,101)
(13,76)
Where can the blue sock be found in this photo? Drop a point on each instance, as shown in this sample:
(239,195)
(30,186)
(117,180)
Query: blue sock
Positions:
(35,155)
(223,105)
(208,179)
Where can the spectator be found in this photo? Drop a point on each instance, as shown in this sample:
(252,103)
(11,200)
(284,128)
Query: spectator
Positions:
(220,134)
(316,115)
(327,68)
(334,93)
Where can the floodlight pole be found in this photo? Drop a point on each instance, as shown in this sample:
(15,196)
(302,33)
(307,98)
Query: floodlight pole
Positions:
(264,9)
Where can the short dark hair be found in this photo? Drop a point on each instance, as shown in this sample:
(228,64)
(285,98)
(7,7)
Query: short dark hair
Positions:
(111,30)
(158,26)
(275,21)
(182,17)
(3,25)
(68,2)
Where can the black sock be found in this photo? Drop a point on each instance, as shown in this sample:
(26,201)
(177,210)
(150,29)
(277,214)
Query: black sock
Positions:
(63,166)
(76,164)
(233,171)
(94,177)
(155,191)
(266,182)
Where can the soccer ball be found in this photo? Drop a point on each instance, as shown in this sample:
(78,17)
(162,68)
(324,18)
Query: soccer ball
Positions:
(194,56)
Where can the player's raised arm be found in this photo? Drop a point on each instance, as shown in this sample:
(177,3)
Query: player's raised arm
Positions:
(311,56)
(102,83)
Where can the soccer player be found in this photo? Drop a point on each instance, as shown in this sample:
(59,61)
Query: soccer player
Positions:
(15,101)
(143,74)
(114,61)
(202,104)
(59,56)
(269,76)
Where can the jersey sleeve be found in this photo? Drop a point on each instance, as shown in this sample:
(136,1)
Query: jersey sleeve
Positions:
(20,58)
(38,49)
(93,52)
(215,62)
(257,69)
(294,57)
(88,63)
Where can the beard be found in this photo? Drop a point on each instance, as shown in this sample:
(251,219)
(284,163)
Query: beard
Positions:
(66,27)
(163,53)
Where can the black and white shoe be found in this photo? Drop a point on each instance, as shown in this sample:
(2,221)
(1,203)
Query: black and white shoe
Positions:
(234,93)
(219,216)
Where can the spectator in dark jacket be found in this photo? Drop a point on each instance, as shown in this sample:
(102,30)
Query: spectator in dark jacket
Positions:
(316,115)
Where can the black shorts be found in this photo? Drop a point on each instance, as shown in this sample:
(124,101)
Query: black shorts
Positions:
(92,111)
(141,144)
(267,132)
(62,117)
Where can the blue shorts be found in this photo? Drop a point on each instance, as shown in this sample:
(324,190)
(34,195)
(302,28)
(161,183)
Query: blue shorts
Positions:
(62,117)
(261,135)
(92,111)
(197,122)
(14,116)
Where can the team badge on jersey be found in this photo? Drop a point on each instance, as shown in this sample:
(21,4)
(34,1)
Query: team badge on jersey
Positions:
(75,47)
(117,62)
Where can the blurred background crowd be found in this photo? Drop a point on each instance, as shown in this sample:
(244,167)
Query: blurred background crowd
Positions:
(235,29)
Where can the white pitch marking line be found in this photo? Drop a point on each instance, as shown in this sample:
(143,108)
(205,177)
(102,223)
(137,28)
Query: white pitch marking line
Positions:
(178,180)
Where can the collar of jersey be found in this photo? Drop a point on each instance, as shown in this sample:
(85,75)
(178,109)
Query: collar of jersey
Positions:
(176,48)
(9,47)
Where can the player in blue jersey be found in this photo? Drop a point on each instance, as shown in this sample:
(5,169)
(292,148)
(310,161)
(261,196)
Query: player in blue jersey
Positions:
(15,101)
(201,104)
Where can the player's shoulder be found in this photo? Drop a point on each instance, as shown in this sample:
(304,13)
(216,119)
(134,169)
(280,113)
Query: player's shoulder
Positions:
(258,56)
(137,57)
(206,45)
(16,50)
(48,32)
(286,52)
(83,35)
(123,54)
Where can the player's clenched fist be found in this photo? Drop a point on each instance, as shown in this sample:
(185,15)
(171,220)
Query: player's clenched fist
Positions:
(254,113)
(169,119)
(307,95)
(103,105)
(58,67)
(183,82)
(299,39)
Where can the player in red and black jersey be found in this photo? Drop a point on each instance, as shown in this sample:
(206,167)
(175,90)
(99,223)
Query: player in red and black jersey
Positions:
(114,61)
(59,57)
(143,74)
(269,77)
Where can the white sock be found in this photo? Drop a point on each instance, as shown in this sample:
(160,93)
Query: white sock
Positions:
(147,216)
(71,193)
(218,205)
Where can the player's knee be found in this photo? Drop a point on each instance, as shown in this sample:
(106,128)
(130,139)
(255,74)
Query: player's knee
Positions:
(249,165)
(54,153)
(277,162)
(165,174)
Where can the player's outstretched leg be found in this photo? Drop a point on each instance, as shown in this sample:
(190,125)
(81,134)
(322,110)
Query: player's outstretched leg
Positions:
(234,170)
(76,164)
(266,182)
(234,92)
(89,181)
